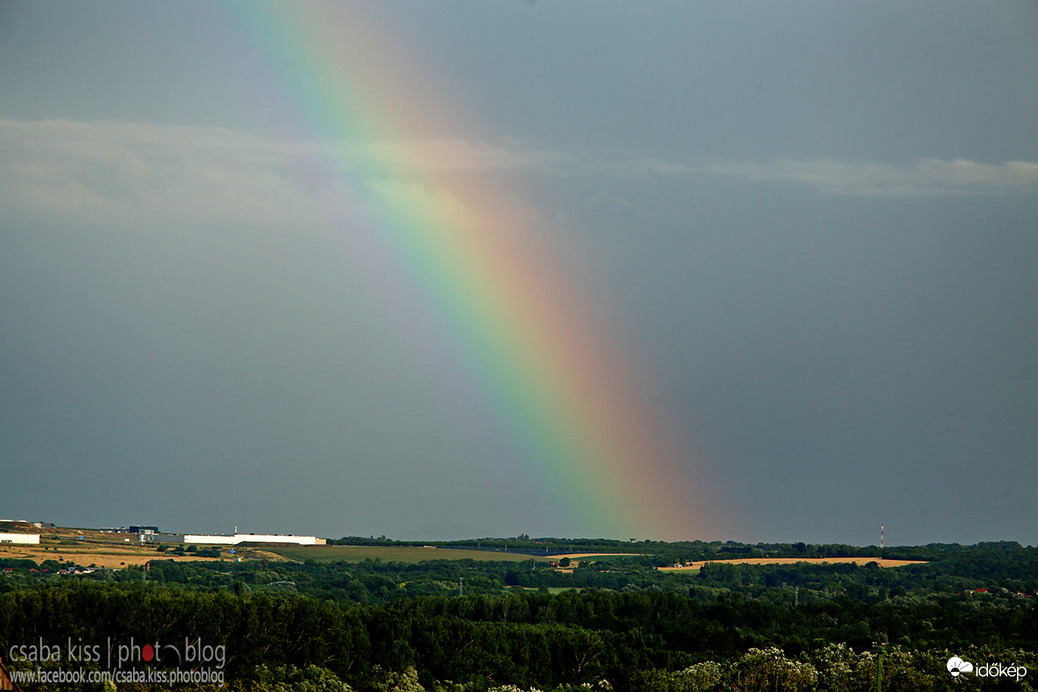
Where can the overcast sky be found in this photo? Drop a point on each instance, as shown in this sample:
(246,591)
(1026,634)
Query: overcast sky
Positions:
(810,229)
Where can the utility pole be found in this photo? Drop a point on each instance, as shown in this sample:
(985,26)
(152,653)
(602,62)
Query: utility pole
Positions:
(881,528)
(461,586)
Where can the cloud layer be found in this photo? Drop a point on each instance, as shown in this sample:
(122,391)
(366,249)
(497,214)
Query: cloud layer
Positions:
(115,171)
(923,178)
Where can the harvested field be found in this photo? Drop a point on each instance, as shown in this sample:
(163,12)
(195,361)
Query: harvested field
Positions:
(101,558)
(883,562)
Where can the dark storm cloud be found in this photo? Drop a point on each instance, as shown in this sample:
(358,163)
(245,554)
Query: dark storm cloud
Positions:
(812,227)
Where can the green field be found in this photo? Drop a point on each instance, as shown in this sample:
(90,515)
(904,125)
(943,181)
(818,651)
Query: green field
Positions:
(359,553)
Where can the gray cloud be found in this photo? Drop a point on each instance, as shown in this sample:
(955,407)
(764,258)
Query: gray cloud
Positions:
(927,177)
(123,172)
(117,172)
(923,178)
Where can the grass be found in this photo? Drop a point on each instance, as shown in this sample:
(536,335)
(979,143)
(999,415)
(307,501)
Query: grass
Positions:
(359,553)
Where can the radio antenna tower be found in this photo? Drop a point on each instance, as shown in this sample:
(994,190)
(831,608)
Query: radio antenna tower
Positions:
(881,528)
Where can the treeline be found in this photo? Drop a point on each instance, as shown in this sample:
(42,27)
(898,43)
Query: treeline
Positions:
(525,639)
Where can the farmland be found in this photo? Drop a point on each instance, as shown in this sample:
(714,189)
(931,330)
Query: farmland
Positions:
(91,547)
(882,562)
(409,554)
(413,554)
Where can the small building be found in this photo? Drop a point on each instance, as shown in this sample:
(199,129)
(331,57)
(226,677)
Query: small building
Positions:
(21,538)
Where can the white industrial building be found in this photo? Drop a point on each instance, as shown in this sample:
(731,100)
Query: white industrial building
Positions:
(24,538)
(233,539)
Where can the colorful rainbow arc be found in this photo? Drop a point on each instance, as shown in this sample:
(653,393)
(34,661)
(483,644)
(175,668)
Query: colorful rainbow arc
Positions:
(519,330)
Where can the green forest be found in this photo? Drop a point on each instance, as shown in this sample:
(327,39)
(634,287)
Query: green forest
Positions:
(609,624)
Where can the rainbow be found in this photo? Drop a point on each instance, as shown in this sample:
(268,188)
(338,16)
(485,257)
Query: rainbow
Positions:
(520,335)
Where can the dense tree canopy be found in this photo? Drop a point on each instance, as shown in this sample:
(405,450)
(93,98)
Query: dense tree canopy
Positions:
(374,625)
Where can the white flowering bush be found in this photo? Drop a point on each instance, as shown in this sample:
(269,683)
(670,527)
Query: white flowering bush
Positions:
(768,670)
(841,669)
(291,679)
(699,677)
(392,681)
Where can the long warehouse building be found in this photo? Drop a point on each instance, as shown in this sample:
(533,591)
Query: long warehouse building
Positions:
(234,539)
